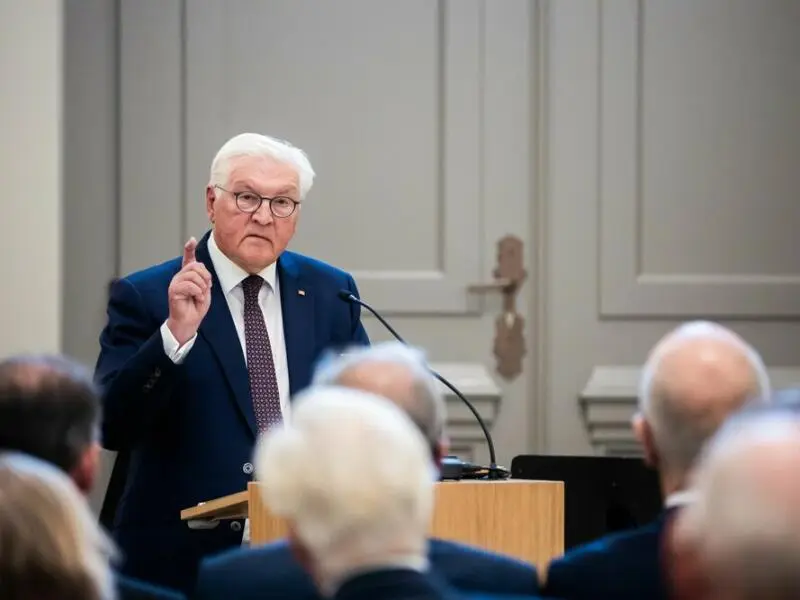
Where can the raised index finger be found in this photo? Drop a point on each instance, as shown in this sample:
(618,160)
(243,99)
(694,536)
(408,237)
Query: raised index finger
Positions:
(188,251)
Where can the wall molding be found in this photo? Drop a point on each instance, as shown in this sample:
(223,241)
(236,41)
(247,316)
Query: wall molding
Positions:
(608,402)
(627,291)
(477,384)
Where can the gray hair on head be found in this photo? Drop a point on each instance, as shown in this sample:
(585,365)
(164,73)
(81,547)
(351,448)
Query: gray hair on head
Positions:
(351,474)
(256,144)
(744,523)
(426,403)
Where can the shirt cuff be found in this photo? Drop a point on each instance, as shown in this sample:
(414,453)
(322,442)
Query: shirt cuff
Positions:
(172,349)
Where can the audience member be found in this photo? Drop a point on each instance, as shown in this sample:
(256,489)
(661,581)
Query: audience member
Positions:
(694,378)
(51,547)
(740,537)
(398,373)
(351,477)
(50,409)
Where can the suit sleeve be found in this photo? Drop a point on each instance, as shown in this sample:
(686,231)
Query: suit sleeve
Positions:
(358,333)
(135,374)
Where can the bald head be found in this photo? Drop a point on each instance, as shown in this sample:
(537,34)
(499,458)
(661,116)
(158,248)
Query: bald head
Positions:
(695,377)
(49,409)
(744,525)
(398,373)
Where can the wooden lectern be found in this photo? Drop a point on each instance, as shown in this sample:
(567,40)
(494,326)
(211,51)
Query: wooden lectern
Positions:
(524,519)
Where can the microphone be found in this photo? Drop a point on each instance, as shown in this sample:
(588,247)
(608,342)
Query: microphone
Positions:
(467,469)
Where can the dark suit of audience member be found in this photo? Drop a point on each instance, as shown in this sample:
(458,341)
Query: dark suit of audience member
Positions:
(694,378)
(50,409)
(395,584)
(244,574)
(133,589)
(623,566)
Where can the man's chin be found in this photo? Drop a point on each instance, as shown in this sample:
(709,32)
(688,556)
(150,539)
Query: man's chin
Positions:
(254,262)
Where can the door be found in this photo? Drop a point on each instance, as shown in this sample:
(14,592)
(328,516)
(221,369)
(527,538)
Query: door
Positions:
(673,136)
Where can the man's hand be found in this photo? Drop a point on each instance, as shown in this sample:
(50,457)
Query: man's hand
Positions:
(189,296)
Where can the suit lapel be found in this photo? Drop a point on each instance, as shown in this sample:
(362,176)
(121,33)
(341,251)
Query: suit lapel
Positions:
(219,331)
(297,305)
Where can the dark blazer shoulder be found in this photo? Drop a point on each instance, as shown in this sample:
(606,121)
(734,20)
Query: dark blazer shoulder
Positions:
(247,572)
(307,266)
(475,569)
(133,589)
(610,547)
(145,290)
(621,563)
(156,276)
(439,547)
(276,553)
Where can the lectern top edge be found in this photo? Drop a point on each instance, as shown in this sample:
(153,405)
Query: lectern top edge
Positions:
(227,507)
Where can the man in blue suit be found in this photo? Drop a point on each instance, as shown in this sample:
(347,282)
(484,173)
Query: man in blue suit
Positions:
(694,378)
(397,373)
(203,352)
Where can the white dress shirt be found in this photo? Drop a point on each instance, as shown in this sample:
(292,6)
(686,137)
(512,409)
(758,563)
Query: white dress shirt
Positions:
(681,498)
(230,276)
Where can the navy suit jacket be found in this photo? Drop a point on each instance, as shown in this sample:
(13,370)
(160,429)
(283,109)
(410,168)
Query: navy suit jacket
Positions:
(394,584)
(250,573)
(132,589)
(622,566)
(188,431)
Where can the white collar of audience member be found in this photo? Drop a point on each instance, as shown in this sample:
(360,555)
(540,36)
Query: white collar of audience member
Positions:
(681,498)
(230,274)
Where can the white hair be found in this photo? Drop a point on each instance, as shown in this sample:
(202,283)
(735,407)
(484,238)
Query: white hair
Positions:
(744,524)
(46,527)
(351,474)
(426,406)
(255,144)
(679,434)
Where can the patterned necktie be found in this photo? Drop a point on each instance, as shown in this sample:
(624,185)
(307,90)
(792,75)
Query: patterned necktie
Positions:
(260,365)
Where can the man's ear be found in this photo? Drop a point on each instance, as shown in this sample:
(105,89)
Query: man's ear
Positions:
(85,472)
(644,435)
(211,196)
(440,450)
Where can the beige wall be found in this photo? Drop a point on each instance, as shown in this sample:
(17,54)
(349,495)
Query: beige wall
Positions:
(30,169)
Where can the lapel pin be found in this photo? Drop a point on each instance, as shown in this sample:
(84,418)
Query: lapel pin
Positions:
(301,292)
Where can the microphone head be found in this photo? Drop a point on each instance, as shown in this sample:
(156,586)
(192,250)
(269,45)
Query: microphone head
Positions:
(345,295)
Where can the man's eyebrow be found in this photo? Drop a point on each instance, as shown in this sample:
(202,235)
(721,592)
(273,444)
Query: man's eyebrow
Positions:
(245,186)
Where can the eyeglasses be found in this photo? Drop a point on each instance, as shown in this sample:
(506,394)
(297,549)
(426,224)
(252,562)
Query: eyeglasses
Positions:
(249,202)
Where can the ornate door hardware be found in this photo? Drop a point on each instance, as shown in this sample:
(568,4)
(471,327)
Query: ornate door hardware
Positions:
(509,341)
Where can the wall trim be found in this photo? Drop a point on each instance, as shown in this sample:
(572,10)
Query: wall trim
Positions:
(608,402)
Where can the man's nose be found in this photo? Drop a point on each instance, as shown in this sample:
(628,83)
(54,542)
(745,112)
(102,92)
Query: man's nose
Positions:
(263,215)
